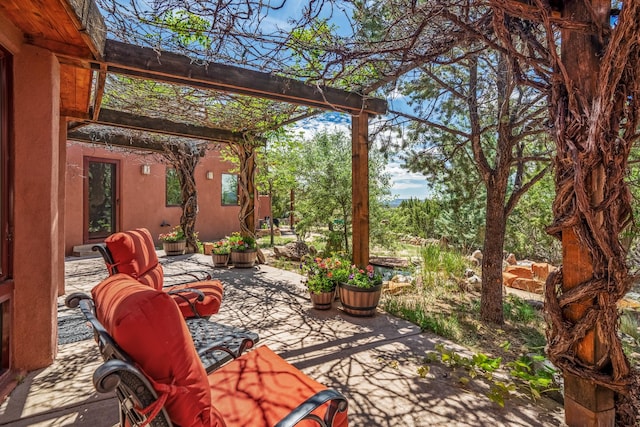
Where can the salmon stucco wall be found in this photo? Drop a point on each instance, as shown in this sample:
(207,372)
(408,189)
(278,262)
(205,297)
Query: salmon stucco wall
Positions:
(37,245)
(142,197)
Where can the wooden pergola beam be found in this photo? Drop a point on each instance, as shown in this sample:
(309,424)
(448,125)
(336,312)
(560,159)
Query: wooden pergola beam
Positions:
(143,62)
(164,126)
(115,140)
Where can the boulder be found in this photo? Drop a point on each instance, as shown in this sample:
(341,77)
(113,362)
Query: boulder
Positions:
(293,251)
(508,278)
(477,254)
(511,259)
(541,270)
(520,271)
(529,285)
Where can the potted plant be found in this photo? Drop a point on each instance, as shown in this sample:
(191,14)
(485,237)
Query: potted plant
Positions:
(360,293)
(220,253)
(174,242)
(243,250)
(322,278)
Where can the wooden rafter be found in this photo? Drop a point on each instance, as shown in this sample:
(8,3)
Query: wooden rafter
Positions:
(164,126)
(142,62)
(101,79)
(115,140)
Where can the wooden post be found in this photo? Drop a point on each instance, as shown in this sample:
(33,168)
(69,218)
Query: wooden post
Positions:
(360,188)
(586,405)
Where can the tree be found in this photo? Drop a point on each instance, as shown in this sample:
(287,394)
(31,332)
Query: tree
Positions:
(492,122)
(324,177)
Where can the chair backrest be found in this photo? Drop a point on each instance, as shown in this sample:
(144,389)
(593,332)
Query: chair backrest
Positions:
(133,253)
(148,326)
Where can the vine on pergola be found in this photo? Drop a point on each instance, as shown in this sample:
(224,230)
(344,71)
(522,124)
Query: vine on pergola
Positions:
(593,135)
(246,155)
(184,158)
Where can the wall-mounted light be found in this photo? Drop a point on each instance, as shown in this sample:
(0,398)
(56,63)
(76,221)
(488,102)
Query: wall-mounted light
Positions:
(209,175)
(145,169)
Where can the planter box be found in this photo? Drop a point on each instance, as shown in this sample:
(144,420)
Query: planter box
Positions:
(323,300)
(246,259)
(220,260)
(174,248)
(361,302)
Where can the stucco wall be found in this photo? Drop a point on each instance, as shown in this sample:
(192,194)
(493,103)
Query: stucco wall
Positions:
(142,197)
(37,246)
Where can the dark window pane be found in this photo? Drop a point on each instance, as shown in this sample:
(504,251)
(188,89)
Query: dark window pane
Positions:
(101,199)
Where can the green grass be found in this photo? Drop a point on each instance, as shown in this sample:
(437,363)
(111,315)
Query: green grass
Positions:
(265,242)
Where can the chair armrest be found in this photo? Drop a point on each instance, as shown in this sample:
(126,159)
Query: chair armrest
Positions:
(303,411)
(179,292)
(73,300)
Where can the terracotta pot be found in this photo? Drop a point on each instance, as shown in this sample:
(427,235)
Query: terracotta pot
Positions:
(359,301)
(244,259)
(323,300)
(208,247)
(174,248)
(220,260)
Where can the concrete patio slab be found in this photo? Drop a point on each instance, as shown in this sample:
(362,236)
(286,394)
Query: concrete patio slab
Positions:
(373,361)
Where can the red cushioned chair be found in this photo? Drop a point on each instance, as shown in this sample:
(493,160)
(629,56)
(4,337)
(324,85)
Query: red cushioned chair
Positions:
(152,366)
(133,253)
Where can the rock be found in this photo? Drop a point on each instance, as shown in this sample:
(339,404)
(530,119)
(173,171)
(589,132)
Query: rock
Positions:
(541,270)
(473,261)
(529,285)
(508,278)
(474,280)
(520,271)
(389,262)
(477,254)
(293,251)
(400,278)
(511,259)
(395,288)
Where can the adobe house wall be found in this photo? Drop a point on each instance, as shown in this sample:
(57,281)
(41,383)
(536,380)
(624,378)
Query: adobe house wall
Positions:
(38,249)
(142,197)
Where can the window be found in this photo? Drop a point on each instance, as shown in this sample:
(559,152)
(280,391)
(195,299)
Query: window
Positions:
(174,196)
(229,189)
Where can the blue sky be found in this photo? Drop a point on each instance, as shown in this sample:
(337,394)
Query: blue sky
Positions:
(404,184)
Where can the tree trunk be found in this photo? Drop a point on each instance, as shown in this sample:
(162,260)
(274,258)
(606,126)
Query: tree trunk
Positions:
(495,225)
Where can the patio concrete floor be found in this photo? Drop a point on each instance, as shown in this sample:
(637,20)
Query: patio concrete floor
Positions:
(372,361)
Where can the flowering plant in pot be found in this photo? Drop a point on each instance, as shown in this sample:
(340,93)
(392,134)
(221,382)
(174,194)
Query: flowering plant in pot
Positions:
(174,242)
(221,247)
(360,293)
(243,250)
(175,235)
(322,278)
(220,253)
(239,243)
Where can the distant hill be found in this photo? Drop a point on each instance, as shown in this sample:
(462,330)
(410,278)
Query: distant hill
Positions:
(395,203)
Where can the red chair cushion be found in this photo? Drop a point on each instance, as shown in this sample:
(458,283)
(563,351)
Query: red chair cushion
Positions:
(212,290)
(148,326)
(134,253)
(260,388)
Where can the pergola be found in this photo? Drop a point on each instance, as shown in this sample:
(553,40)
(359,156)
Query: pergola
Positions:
(89,75)
(87,60)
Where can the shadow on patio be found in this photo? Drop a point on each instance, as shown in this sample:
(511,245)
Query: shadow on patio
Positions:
(372,361)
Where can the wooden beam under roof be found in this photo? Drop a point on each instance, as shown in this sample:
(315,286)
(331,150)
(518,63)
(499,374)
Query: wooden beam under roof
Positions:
(115,140)
(143,62)
(164,126)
